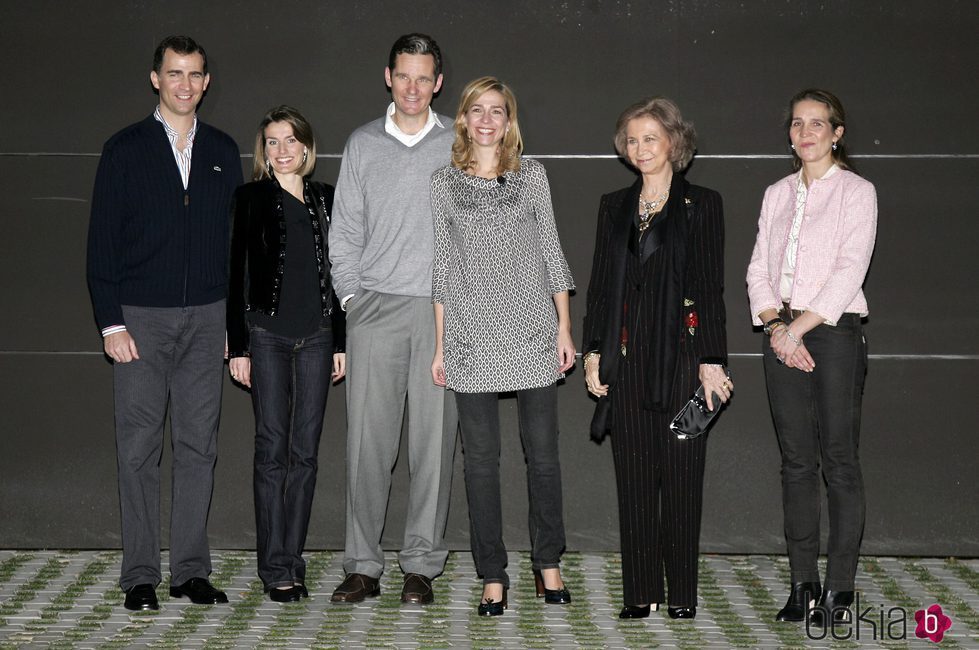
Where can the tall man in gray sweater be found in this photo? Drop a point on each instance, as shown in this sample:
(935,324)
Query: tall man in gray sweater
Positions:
(382,247)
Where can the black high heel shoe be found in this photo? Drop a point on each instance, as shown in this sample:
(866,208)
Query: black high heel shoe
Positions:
(492,608)
(551,596)
(833,608)
(802,598)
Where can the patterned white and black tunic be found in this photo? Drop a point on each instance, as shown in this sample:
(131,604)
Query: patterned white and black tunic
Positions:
(498,261)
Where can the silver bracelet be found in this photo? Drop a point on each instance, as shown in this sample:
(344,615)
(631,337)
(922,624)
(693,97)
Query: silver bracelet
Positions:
(792,337)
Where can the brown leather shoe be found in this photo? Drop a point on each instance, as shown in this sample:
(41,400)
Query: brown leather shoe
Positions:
(355,588)
(417,589)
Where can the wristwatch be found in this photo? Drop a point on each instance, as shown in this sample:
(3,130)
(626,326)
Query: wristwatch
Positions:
(770,325)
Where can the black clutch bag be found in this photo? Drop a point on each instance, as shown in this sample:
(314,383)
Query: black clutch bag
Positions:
(695,419)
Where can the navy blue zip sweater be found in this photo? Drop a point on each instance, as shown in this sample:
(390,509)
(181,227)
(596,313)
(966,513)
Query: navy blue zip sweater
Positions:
(151,243)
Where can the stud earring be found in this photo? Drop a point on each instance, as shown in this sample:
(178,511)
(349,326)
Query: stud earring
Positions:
(792,146)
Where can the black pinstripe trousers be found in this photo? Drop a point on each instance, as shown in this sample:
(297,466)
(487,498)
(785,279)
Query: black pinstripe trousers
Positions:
(660,482)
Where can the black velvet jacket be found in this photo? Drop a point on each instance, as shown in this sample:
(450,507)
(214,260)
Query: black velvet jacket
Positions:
(258,252)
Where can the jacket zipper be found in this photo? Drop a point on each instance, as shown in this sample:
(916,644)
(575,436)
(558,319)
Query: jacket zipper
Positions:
(186,244)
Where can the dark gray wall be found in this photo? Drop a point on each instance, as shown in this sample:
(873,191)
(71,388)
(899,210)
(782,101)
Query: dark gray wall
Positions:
(74,74)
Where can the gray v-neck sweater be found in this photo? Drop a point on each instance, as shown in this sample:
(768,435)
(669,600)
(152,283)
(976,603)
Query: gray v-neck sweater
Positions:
(381,236)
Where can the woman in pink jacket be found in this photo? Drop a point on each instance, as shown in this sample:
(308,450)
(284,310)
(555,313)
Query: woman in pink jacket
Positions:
(815,239)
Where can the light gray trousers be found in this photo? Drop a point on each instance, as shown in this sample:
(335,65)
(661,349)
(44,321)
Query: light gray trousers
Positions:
(390,345)
(180,365)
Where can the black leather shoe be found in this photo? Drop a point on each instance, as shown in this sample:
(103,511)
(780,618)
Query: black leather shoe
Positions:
(301,588)
(287,595)
(682,612)
(490,607)
(802,598)
(551,596)
(835,604)
(355,588)
(417,589)
(141,598)
(200,592)
(633,611)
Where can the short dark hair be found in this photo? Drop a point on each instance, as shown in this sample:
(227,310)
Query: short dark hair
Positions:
(179,44)
(837,118)
(416,44)
(683,137)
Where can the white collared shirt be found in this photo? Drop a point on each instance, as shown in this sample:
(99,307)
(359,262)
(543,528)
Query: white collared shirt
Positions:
(182,157)
(409,140)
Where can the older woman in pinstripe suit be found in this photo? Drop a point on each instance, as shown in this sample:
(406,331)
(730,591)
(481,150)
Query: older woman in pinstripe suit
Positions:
(654,330)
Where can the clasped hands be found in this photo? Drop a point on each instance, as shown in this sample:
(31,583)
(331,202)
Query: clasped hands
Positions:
(790,349)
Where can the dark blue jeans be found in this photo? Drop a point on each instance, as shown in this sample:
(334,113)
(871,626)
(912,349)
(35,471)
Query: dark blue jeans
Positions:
(290,380)
(479,417)
(817,418)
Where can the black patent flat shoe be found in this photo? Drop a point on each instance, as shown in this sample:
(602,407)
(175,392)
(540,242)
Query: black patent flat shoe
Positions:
(682,612)
(551,596)
(634,611)
(303,593)
(490,607)
(802,598)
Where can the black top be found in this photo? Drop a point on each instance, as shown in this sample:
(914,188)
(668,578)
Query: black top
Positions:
(299,312)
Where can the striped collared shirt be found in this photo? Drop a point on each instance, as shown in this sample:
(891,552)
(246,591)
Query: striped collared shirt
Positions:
(182,157)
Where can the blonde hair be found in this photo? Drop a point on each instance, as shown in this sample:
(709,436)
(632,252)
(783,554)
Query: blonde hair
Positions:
(300,128)
(512,145)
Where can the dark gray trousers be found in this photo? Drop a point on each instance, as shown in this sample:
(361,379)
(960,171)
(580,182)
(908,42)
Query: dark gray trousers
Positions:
(180,365)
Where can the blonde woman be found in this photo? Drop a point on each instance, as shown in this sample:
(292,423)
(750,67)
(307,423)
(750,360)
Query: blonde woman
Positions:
(500,289)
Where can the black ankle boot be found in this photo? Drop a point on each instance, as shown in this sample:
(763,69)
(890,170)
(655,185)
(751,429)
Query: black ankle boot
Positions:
(833,607)
(804,596)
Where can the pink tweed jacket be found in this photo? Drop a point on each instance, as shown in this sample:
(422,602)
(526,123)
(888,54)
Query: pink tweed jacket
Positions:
(836,242)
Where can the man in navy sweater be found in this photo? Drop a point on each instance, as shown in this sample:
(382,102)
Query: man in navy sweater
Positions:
(157,272)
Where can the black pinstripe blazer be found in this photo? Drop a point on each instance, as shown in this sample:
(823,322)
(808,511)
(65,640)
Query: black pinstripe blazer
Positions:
(698,238)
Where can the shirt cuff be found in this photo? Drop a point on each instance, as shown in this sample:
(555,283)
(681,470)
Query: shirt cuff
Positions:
(113,329)
(343,301)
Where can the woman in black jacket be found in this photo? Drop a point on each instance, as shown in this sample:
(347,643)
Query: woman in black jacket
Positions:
(285,336)
(654,330)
